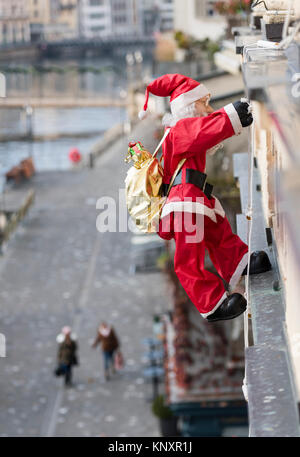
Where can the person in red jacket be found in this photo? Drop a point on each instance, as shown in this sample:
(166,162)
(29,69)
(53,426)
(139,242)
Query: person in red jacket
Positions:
(192,215)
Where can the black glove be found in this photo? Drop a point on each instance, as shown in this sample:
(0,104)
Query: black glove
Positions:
(242,110)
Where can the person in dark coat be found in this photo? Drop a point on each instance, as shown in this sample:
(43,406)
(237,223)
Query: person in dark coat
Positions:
(66,354)
(109,343)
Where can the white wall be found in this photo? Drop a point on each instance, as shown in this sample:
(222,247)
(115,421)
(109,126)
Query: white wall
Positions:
(297,7)
(185,20)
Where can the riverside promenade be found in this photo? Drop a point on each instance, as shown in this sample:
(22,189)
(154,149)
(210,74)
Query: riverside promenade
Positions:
(59,270)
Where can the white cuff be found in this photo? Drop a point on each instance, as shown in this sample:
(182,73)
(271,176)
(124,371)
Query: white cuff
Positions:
(205,315)
(234,118)
(238,272)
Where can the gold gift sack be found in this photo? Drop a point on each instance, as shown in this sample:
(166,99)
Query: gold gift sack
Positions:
(143,186)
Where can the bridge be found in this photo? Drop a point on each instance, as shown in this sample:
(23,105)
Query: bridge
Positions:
(105,45)
(61,102)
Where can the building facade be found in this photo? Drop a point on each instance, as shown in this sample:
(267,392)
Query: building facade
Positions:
(95,18)
(198,19)
(157,16)
(272,167)
(126,17)
(166,15)
(14,22)
(51,20)
(40,15)
(102,18)
(150,17)
(68,17)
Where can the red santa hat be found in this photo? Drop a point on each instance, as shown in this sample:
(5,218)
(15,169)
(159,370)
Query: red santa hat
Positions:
(181,89)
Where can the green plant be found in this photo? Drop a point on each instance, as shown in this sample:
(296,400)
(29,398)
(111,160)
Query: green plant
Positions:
(233,6)
(209,46)
(162,260)
(183,41)
(212,48)
(160,409)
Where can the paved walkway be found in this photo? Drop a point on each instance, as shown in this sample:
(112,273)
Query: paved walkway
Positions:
(59,270)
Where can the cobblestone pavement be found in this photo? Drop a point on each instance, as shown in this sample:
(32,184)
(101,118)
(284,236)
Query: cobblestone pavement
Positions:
(59,270)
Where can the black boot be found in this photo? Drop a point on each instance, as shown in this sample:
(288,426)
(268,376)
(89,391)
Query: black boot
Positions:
(259,263)
(233,306)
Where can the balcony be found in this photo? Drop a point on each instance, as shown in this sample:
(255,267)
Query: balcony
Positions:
(272,362)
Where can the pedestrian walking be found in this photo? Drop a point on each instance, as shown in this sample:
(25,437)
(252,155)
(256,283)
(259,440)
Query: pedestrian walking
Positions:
(66,354)
(109,342)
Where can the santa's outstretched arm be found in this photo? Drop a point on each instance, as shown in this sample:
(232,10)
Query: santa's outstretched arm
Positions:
(199,134)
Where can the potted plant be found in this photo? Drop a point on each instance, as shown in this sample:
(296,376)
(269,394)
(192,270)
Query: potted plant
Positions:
(233,7)
(236,12)
(168,421)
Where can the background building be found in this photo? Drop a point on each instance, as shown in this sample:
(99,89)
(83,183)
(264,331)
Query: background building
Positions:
(157,16)
(40,14)
(198,18)
(150,17)
(14,22)
(166,15)
(95,18)
(100,18)
(68,17)
(53,19)
(126,17)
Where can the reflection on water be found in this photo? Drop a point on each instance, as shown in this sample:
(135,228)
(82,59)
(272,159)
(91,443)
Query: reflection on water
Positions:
(52,120)
(51,155)
(103,78)
(71,78)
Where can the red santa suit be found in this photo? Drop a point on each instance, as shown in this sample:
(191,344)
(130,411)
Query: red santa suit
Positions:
(196,221)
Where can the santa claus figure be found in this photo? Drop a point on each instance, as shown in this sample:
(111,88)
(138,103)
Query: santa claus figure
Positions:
(192,215)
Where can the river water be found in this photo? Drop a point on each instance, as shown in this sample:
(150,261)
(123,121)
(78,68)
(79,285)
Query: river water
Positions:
(70,78)
(54,79)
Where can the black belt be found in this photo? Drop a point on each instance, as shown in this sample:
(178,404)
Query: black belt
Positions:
(192,177)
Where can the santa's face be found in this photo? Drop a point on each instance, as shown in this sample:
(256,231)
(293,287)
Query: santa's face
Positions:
(203,107)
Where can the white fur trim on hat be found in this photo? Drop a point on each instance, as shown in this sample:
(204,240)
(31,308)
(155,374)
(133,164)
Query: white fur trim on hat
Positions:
(188,97)
(234,118)
(142,115)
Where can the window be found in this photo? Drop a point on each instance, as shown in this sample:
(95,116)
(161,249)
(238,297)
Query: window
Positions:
(204,8)
(98,28)
(210,10)
(120,19)
(96,2)
(119,5)
(97,16)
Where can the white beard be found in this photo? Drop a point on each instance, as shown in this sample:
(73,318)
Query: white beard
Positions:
(170,120)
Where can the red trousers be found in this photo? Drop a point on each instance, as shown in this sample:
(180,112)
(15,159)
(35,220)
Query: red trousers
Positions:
(227,251)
